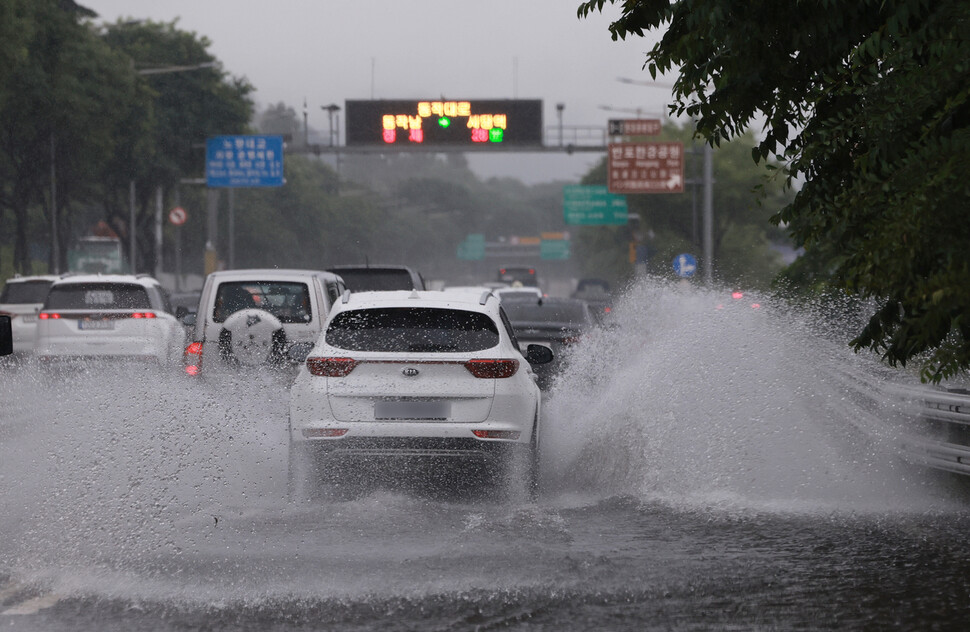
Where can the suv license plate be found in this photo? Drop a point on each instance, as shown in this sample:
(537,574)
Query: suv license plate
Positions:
(96,324)
(412,410)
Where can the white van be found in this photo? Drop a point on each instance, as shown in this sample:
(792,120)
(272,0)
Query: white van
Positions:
(256,317)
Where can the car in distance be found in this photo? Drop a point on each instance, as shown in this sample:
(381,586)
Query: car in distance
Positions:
(596,292)
(417,377)
(516,293)
(558,323)
(107,317)
(370,278)
(255,317)
(512,275)
(21,300)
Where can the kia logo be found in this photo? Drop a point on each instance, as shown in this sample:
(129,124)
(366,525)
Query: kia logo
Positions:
(409,371)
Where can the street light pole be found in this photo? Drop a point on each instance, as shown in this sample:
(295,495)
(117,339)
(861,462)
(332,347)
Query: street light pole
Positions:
(306,129)
(331,110)
(559,108)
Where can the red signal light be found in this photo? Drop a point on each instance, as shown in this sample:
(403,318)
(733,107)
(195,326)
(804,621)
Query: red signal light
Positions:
(736,295)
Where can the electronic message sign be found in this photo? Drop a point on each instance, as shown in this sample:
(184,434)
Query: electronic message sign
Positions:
(450,123)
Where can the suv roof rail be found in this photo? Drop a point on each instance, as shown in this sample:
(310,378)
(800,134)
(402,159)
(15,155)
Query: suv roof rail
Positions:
(484,297)
(346,296)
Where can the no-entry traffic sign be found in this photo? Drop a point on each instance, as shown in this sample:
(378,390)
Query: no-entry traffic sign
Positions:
(177,216)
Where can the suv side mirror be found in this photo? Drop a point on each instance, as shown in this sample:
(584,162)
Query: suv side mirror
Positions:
(538,354)
(188,318)
(6,336)
(181,311)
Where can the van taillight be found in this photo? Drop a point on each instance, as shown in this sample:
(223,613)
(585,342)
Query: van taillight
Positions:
(511,435)
(492,369)
(193,358)
(330,367)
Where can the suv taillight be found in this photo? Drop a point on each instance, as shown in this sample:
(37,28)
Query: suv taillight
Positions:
(492,369)
(193,358)
(142,315)
(46,315)
(330,367)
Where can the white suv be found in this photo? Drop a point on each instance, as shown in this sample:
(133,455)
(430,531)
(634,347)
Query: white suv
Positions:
(111,316)
(21,299)
(416,376)
(255,317)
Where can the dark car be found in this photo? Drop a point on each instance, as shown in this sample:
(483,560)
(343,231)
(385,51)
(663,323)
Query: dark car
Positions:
(369,278)
(557,323)
(596,292)
(518,274)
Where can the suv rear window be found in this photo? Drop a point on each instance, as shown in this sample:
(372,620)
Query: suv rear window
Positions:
(288,301)
(376,279)
(25,292)
(97,296)
(412,329)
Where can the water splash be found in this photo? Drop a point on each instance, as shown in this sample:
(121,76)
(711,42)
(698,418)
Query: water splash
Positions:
(699,399)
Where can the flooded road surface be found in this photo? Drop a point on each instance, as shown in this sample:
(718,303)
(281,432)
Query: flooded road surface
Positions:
(703,469)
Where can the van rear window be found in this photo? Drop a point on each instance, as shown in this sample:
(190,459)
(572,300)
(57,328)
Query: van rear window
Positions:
(412,329)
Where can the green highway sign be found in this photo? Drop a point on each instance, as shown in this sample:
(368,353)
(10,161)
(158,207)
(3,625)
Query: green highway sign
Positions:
(593,205)
(554,249)
(473,248)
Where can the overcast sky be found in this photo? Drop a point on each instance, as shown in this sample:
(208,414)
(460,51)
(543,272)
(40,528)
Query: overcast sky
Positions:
(327,52)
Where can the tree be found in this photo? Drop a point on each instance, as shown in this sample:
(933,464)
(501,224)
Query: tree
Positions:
(185,108)
(47,52)
(868,102)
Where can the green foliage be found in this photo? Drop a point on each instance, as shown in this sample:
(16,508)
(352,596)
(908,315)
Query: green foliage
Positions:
(869,103)
(76,111)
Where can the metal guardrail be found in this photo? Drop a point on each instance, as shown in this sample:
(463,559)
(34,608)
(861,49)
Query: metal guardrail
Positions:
(942,439)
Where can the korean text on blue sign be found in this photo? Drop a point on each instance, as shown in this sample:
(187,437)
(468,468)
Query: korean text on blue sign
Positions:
(244,161)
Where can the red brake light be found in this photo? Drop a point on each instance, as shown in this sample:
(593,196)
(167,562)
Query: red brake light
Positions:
(330,367)
(492,369)
(512,435)
(46,315)
(143,315)
(193,358)
(311,433)
(737,295)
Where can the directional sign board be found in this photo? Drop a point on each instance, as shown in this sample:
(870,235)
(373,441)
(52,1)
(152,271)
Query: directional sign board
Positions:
(473,248)
(244,161)
(645,168)
(634,127)
(685,265)
(593,205)
(554,249)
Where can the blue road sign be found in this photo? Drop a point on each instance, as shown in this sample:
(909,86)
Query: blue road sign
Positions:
(244,161)
(685,265)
